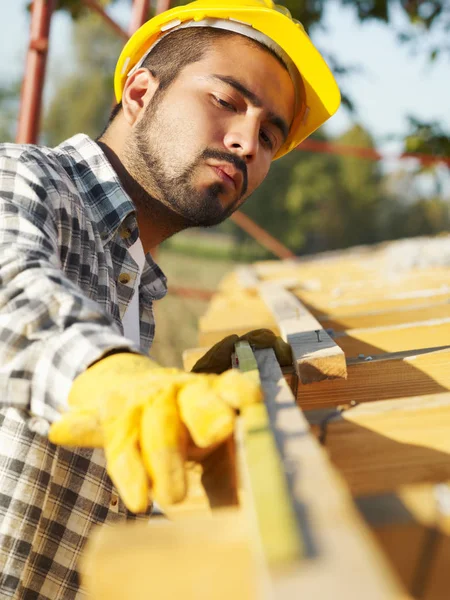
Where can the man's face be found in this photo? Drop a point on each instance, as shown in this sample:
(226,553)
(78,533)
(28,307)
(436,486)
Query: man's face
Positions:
(207,142)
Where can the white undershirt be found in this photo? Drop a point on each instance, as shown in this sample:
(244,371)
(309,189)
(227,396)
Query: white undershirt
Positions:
(130,319)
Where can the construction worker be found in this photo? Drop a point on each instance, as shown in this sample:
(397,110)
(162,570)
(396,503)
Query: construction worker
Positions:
(208,95)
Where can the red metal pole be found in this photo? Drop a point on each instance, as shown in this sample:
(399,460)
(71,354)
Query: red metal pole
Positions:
(193,293)
(261,235)
(312,145)
(33,81)
(139,15)
(162,5)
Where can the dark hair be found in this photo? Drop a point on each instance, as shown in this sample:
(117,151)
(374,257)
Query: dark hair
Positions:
(182,48)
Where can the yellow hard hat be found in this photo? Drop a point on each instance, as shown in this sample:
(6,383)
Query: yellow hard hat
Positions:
(319,97)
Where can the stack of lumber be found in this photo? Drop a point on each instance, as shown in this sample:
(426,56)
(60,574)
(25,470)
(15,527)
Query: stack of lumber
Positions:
(342,475)
(370,330)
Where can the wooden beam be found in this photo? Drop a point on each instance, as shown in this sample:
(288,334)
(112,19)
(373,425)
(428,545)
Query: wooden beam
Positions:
(316,355)
(339,274)
(414,533)
(379,446)
(247,277)
(194,559)
(424,312)
(260,461)
(396,338)
(191,356)
(237,312)
(318,268)
(324,304)
(369,282)
(341,560)
(387,376)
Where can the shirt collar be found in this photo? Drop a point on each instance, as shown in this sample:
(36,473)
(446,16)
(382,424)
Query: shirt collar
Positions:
(98,182)
(111,207)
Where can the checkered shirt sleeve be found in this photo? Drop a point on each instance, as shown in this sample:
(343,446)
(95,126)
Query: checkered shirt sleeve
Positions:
(65,226)
(45,319)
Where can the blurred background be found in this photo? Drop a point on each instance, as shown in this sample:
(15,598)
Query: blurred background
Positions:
(378,171)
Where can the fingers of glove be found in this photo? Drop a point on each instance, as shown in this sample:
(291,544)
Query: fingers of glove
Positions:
(77,428)
(218,358)
(238,389)
(265,338)
(283,352)
(162,441)
(208,418)
(123,460)
(259,338)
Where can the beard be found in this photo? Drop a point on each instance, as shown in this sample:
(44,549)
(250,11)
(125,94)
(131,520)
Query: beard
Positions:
(171,182)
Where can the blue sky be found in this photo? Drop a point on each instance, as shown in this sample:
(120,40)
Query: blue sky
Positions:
(394,83)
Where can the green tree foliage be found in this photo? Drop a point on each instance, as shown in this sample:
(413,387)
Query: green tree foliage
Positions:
(361,182)
(77,8)
(427,138)
(317,201)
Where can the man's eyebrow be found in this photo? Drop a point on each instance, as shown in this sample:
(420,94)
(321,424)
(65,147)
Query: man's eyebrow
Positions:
(276,120)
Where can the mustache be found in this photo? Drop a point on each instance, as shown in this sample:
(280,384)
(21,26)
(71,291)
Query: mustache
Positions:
(236,161)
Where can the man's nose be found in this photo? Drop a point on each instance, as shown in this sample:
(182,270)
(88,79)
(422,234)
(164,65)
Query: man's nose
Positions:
(243,139)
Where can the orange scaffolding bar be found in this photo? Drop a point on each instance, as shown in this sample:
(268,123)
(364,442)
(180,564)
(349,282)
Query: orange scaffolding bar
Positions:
(33,81)
(139,15)
(261,235)
(162,5)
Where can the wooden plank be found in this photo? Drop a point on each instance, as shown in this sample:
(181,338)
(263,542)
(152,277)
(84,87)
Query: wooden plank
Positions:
(260,461)
(339,274)
(379,446)
(194,559)
(399,534)
(396,338)
(322,269)
(316,355)
(388,376)
(320,305)
(247,277)
(412,282)
(385,318)
(235,312)
(341,559)
(191,356)
(412,526)
(210,337)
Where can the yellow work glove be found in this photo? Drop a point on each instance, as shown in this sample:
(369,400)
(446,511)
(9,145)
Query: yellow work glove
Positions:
(143,414)
(218,358)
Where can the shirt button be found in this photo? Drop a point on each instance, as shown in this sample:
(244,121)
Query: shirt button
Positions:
(114,499)
(124,278)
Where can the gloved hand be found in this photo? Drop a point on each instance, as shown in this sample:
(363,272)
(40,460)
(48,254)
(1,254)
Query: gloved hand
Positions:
(218,358)
(143,414)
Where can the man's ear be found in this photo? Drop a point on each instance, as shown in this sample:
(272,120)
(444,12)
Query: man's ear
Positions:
(137,93)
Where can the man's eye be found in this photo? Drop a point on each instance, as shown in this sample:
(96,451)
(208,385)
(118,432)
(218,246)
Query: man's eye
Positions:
(266,139)
(223,103)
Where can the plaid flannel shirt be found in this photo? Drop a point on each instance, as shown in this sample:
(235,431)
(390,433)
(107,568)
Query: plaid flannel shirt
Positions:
(66,279)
